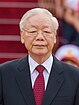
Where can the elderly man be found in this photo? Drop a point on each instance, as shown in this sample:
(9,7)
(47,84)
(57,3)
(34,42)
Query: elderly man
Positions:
(39,78)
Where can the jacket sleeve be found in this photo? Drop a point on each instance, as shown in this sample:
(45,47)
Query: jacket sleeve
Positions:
(77,97)
(1,99)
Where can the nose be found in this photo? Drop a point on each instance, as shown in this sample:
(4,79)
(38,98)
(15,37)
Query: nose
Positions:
(40,36)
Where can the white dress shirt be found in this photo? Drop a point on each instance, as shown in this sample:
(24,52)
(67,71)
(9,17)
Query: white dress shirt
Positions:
(34,73)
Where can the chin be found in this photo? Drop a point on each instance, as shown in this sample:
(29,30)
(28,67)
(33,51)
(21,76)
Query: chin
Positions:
(40,53)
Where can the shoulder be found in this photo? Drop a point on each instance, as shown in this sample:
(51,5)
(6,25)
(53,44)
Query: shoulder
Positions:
(11,65)
(69,71)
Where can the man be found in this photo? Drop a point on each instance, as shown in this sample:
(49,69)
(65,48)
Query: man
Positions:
(21,81)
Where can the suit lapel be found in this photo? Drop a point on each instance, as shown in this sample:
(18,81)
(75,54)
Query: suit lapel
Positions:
(24,82)
(55,82)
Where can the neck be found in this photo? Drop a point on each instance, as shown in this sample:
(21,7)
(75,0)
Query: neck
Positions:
(40,58)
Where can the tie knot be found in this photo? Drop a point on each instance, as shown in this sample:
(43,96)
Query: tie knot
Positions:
(40,68)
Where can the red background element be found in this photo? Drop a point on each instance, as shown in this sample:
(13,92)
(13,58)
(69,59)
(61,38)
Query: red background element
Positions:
(11,12)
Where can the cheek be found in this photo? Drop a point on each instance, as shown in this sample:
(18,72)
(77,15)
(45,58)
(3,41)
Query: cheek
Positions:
(51,43)
(28,43)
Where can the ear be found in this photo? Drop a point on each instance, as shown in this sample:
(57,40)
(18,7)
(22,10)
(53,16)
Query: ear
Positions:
(55,40)
(55,33)
(22,37)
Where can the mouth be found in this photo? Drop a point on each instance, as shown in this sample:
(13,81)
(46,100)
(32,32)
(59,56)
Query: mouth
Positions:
(39,46)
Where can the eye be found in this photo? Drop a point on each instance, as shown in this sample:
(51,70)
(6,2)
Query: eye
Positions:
(47,32)
(32,31)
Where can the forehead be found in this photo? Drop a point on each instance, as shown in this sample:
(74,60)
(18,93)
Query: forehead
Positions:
(41,20)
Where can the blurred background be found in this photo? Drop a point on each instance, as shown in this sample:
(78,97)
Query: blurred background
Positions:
(11,11)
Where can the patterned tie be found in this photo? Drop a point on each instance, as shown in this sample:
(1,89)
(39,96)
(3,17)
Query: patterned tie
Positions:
(39,85)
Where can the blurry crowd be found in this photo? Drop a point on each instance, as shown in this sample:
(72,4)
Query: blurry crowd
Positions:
(68,53)
(64,9)
(67,12)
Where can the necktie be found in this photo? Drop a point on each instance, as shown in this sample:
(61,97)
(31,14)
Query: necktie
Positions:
(39,85)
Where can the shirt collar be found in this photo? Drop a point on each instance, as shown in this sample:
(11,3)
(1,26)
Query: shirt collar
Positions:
(47,64)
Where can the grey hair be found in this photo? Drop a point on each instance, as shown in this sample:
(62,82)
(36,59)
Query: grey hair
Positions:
(36,11)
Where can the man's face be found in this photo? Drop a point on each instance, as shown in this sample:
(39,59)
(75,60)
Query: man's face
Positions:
(38,35)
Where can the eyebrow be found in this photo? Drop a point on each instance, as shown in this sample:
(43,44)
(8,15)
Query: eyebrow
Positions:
(43,28)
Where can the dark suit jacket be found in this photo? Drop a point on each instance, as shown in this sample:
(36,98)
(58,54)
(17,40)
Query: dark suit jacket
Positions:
(16,88)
